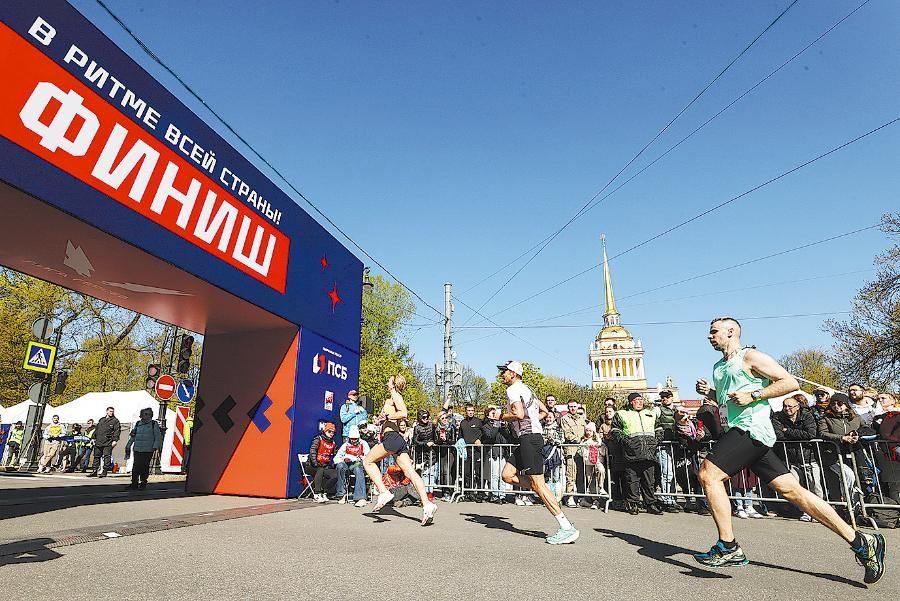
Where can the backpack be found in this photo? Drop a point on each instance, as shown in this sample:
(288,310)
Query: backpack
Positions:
(884,518)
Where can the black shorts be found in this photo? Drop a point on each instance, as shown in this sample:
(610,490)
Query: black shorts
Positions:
(394,443)
(736,451)
(527,457)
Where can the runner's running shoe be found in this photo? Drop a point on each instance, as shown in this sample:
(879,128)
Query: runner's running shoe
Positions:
(719,557)
(428,513)
(871,557)
(564,536)
(383,499)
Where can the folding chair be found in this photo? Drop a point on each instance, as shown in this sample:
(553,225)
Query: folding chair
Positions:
(305,480)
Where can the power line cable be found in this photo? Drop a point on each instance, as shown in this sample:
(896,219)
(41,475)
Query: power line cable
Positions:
(516,336)
(275,170)
(708,211)
(744,94)
(647,323)
(751,261)
(635,157)
(702,295)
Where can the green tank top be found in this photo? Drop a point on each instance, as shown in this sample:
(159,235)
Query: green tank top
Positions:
(729,376)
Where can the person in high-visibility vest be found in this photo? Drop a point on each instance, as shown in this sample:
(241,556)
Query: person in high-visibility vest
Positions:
(188,426)
(14,443)
(52,433)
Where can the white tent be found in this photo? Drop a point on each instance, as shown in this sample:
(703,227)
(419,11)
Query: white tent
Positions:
(128,407)
(15,413)
(93,406)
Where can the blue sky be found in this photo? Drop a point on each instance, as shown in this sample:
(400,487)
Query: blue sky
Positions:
(449,138)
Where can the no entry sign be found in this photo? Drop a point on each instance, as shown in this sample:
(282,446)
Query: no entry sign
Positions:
(165,387)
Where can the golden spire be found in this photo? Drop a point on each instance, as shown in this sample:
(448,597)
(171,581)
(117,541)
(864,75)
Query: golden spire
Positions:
(610,299)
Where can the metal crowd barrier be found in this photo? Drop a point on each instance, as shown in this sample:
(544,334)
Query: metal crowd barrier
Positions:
(826,472)
(880,472)
(439,468)
(481,469)
(842,480)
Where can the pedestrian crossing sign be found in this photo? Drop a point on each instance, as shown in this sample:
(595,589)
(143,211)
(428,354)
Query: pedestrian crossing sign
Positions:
(40,357)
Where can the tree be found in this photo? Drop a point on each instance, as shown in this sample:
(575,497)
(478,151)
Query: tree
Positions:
(531,376)
(867,347)
(812,364)
(103,346)
(592,399)
(473,388)
(387,309)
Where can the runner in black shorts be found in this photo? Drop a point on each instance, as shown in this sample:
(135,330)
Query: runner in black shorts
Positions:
(393,443)
(744,380)
(526,466)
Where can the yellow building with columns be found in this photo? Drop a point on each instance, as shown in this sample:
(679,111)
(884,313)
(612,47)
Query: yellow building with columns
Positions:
(616,359)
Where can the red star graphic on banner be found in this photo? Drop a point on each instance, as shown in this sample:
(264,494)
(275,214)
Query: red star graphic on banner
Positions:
(323,262)
(335,297)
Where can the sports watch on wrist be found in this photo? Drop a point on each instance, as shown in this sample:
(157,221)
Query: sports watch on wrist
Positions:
(756,395)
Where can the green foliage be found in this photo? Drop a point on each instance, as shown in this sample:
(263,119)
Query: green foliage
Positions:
(867,347)
(387,308)
(531,376)
(103,347)
(812,364)
(592,399)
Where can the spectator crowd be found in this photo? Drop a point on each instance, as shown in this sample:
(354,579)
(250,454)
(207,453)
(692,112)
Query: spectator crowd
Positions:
(643,457)
(69,448)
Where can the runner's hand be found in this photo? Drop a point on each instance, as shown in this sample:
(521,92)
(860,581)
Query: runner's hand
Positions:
(740,398)
(702,387)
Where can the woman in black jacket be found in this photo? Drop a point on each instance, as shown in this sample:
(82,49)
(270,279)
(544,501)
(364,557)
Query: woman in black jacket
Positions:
(840,426)
(491,435)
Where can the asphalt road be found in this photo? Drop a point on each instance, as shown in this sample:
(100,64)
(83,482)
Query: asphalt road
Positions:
(472,551)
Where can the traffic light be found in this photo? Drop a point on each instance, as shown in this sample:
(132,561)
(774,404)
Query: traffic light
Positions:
(184,354)
(61,378)
(153,373)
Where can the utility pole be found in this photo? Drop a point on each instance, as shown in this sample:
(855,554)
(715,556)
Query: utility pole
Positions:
(448,344)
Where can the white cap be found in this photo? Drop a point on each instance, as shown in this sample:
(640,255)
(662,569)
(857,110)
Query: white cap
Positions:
(354,432)
(513,366)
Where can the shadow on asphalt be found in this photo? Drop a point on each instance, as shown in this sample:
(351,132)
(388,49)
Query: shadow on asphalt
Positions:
(388,510)
(499,523)
(9,556)
(663,552)
(34,501)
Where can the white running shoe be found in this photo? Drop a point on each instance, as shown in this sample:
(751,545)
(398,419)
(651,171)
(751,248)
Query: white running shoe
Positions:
(527,500)
(361,503)
(519,501)
(806,518)
(342,500)
(383,499)
(571,503)
(320,498)
(754,514)
(428,513)
(740,513)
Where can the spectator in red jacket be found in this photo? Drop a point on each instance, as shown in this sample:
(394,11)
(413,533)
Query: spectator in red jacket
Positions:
(321,458)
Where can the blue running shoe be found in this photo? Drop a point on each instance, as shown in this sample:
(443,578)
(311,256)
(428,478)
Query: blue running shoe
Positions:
(871,557)
(720,557)
(564,536)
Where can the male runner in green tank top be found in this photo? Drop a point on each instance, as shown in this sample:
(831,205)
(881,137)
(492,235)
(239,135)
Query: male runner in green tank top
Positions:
(744,379)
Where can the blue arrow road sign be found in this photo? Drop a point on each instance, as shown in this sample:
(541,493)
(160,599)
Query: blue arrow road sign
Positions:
(186,391)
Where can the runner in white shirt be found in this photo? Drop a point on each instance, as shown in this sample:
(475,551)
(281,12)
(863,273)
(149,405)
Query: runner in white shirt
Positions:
(526,466)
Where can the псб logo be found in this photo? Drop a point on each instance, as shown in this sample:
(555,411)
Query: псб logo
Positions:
(322,364)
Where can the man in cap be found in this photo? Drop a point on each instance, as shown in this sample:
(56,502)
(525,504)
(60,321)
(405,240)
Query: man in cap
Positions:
(525,467)
(352,414)
(349,459)
(635,428)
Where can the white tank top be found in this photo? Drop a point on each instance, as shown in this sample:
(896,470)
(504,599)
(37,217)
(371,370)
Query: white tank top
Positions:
(518,392)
